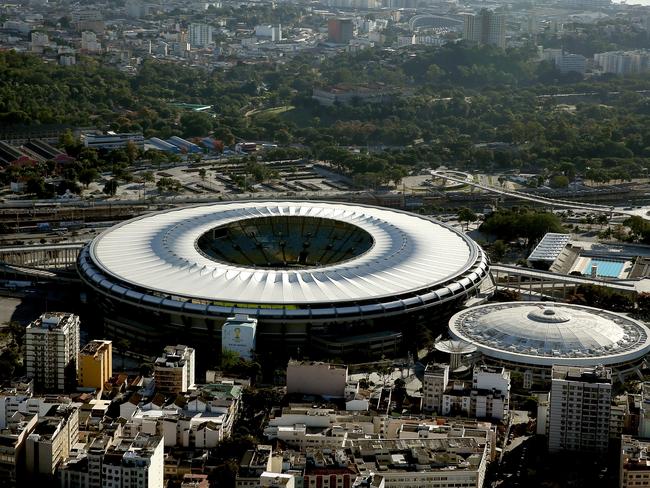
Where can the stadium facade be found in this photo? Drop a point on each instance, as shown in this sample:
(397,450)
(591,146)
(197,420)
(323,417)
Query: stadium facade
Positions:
(340,278)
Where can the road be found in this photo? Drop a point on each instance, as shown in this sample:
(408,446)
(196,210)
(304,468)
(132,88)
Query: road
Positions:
(595,208)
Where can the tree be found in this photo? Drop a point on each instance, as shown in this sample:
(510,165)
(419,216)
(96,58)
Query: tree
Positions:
(69,143)
(521,223)
(147,177)
(146,369)
(224,134)
(385,371)
(196,124)
(602,220)
(435,73)
(559,181)
(202,174)
(132,151)
(122,345)
(110,188)
(87,176)
(229,360)
(466,215)
(498,250)
(601,297)
(639,227)
(17,331)
(643,302)
(168,184)
(506,295)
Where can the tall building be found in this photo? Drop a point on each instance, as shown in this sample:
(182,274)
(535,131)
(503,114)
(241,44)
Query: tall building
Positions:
(174,370)
(13,438)
(579,409)
(51,351)
(340,31)
(436,378)
(644,411)
(136,462)
(485,28)
(200,35)
(487,397)
(39,41)
(95,364)
(572,63)
(635,463)
(623,62)
(90,43)
(50,442)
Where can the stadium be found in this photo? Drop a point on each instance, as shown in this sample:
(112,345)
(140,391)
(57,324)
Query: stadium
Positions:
(530,337)
(338,278)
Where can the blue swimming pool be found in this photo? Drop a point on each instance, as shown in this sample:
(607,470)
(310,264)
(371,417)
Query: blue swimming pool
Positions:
(606,268)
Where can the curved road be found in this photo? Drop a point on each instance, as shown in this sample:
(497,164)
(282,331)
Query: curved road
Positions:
(591,207)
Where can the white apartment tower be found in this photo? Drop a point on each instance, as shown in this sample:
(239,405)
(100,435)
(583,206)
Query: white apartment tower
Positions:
(485,28)
(51,350)
(436,378)
(579,409)
(200,35)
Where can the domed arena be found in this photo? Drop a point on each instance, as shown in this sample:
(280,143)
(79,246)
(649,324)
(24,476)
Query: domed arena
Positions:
(531,337)
(337,278)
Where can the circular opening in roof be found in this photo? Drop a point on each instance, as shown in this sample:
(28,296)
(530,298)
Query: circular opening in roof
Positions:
(285,242)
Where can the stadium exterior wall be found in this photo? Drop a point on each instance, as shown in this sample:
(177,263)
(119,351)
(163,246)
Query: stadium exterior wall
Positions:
(149,317)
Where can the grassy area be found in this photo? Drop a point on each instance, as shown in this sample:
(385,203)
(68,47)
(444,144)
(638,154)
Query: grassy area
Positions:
(271,111)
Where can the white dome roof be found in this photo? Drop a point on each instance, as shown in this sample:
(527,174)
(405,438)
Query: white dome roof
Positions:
(542,333)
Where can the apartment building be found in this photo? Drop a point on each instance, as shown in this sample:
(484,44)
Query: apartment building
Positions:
(443,463)
(12,447)
(301,427)
(51,351)
(487,397)
(485,28)
(96,364)
(635,463)
(206,418)
(434,384)
(175,370)
(136,462)
(579,409)
(200,35)
(49,444)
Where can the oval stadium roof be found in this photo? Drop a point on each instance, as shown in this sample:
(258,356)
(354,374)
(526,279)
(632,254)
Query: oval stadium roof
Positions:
(159,253)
